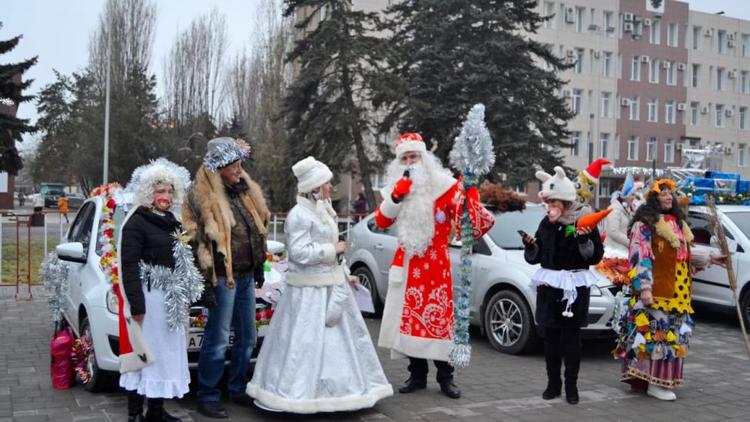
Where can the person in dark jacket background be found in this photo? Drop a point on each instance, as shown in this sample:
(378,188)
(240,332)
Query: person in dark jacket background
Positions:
(157,291)
(563,282)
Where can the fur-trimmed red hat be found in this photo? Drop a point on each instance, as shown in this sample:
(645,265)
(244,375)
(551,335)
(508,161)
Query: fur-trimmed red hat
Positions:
(410,142)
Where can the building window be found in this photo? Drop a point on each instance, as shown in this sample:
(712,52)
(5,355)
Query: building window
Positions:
(697,37)
(722,37)
(745,45)
(719,116)
(635,68)
(651,149)
(576,105)
(580,11)
(653,71)
(671,73)
(669,151)
(653,110)
(694,113)
(672,35)
(579,60)
(743,118)
(549,11)
(742,155)
(575,143)
(633,115)
(720,75)
(670,115)
(604,111)
(609,22)
(655,35)
(744,82)
(604,145)
(696,75)
(561,16)
(607,65)
(633,148)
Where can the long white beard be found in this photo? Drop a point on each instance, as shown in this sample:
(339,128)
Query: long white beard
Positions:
(415,225)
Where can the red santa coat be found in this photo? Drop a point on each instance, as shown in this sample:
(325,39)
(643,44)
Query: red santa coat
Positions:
(418,313)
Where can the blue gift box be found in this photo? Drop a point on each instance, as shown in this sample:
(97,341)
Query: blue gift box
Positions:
(722,175)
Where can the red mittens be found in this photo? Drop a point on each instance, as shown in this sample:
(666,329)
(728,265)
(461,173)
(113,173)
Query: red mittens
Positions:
(401,189)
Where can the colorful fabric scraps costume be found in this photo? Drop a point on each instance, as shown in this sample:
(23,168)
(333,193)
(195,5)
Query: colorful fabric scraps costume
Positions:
(653,340)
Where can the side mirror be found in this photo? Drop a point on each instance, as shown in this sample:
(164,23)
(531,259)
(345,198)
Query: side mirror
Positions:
(72,252)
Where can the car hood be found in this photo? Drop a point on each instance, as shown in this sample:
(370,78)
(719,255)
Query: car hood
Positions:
(516,256)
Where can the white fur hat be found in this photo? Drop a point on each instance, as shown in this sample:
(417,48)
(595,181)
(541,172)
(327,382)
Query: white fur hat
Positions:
(410,142)
(557,186)
(160,171)
(311,174)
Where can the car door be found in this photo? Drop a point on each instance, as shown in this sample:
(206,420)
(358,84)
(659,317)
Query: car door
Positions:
(712,284)
(383,247)
(80,231)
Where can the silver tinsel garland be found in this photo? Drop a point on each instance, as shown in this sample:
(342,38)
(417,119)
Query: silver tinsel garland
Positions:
(54,275)
(473,150)
(182,285)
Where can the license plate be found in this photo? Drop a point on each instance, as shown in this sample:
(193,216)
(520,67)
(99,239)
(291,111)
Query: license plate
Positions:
(195,341)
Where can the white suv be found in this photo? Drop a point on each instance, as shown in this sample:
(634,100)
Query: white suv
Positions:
(711,286)
(90,307)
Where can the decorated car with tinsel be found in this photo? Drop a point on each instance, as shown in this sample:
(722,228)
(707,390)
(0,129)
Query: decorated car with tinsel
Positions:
(81,276)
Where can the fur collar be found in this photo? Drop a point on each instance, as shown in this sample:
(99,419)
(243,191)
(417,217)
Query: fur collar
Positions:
(666,231)
(324,211)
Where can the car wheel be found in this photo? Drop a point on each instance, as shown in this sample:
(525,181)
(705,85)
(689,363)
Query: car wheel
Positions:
(368,280)
(98,379)
(509,323)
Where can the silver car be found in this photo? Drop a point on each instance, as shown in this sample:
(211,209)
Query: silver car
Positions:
(502,304)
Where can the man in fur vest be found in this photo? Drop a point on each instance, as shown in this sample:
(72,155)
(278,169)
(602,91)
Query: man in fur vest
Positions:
(423,200)
(226,218)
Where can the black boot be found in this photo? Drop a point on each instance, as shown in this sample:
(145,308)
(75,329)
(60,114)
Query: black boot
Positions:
(553,362)
(412,384)
(572,356)
(450,389)
(135,407)
(157,413)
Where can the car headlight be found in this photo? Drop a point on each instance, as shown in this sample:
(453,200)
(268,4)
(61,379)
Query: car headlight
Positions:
(596,291)
(112,302)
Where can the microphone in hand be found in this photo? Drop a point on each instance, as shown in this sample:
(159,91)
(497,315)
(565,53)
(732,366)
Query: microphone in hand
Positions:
(401,188)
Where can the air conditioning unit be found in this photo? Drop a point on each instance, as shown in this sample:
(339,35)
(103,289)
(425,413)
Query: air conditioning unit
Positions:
(729,112)
(597,54)
(570,53)
(567,93)
(704,109)
(647,22)
(570,15)
(628,27)
(730,44)
(645,59)
(681,106)
(708,32)
(728,150)
(625,102)
(666,65)
(730,36)
(681,66)
(732,74)
(628,17)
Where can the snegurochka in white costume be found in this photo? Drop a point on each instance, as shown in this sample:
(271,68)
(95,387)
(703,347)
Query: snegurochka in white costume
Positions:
(318,356)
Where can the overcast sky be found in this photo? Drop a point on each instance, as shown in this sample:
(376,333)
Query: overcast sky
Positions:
(58,31)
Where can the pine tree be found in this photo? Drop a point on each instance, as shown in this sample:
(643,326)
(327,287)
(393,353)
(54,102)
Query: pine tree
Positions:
(11,95)
(326,107)
(450,54)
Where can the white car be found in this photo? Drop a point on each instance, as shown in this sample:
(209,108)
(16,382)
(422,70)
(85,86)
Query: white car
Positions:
(711,286)
(90,307)
(502,304)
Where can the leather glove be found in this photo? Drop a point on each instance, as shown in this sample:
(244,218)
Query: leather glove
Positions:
(401,189)
(209,297)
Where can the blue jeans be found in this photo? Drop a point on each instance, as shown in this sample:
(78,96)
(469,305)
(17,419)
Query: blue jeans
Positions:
(235,308)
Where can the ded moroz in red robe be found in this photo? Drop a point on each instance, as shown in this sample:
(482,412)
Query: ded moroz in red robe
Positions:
(418,313)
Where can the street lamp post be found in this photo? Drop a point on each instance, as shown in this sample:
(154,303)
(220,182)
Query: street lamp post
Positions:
(105,169)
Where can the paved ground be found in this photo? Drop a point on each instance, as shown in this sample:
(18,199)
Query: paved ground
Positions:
(495,387)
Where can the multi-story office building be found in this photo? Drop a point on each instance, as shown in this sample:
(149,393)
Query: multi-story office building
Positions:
(649,79)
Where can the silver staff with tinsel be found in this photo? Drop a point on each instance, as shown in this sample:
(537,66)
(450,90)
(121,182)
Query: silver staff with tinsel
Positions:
(473,155)
(54,275)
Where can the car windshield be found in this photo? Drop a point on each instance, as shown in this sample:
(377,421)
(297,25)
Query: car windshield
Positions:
(742,220)
(507,224)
